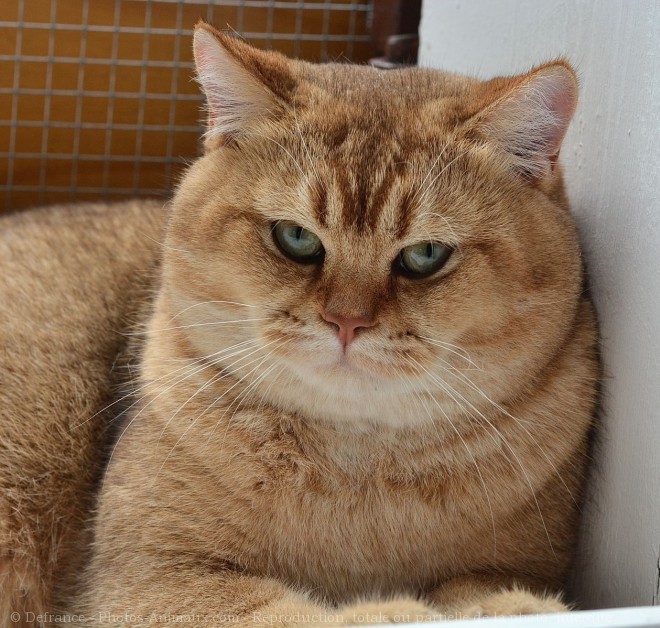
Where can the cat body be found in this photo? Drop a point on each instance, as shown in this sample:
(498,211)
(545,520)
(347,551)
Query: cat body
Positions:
(311,429)
(73,281)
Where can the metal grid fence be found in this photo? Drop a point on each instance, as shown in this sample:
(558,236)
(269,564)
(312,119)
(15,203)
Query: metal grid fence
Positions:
(96,96)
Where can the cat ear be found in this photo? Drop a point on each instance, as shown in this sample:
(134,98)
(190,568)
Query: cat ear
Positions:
(241,84)
(530,116)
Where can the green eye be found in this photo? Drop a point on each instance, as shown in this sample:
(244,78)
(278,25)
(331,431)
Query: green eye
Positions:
(423,259)
(298,243)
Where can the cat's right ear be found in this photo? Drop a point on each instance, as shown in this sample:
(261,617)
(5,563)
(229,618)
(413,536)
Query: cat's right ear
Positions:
(242,85)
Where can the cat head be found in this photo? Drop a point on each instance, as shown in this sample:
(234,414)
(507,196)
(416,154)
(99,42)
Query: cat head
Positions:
(373,246)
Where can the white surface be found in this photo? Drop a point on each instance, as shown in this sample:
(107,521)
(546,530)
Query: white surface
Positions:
(649,617)
(612,160)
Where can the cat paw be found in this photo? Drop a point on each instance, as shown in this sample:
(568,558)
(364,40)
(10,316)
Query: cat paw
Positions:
(395,611)
(514,602)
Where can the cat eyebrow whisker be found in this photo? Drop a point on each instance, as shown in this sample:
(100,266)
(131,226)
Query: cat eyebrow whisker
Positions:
(286,150)
(433,165)
(457,240)
(305,146)
(422,195)
(451,392)
(555,301)
(163,245)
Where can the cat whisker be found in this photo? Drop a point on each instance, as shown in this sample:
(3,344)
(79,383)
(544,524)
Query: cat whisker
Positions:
(135,390)
(244,394)
(452,348)
(265,394)
(201,414)
(453,371)
(216,378)
(215,401)
(234,323)
(467,449)
(200,303)
(453,393)
(419,401)
(191,373)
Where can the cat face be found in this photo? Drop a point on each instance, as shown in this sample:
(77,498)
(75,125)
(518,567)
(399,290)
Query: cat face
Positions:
(368,246)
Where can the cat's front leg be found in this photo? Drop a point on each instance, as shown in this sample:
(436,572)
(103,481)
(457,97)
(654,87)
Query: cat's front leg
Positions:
(492,595)
(400,610)
(460,598)
(228,598)
(155,591)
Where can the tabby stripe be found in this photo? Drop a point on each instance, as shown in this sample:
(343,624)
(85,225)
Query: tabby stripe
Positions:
(380,197)
(320,196)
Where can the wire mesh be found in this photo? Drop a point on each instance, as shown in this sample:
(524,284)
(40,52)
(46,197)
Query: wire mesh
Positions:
(97,98)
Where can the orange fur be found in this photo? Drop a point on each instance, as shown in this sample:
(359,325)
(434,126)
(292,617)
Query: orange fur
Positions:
(433,468)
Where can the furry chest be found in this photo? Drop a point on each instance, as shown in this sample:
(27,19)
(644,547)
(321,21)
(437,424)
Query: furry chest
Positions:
(339,538)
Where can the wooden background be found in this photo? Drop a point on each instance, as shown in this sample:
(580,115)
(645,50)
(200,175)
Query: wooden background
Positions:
(97,98)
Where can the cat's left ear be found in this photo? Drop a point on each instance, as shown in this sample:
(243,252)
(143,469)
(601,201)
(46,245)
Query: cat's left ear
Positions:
(527,117)
(243,85)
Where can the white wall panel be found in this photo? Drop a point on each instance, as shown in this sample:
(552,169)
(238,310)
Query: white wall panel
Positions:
(612,160)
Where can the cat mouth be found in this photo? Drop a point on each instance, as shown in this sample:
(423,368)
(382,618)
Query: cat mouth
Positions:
(347,362)
(311,356)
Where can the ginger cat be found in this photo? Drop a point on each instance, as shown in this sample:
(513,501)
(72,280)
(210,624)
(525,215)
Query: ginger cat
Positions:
(361,366)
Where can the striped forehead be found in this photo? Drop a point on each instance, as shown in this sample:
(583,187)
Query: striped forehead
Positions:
(366,202)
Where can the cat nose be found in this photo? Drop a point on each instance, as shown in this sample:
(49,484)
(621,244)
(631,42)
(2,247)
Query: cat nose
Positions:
(347,326)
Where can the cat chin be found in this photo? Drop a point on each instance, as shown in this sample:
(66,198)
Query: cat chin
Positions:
(348,373)
(350,414)
(353,398)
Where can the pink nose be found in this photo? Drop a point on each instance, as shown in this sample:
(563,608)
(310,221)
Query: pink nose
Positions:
(347,326)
